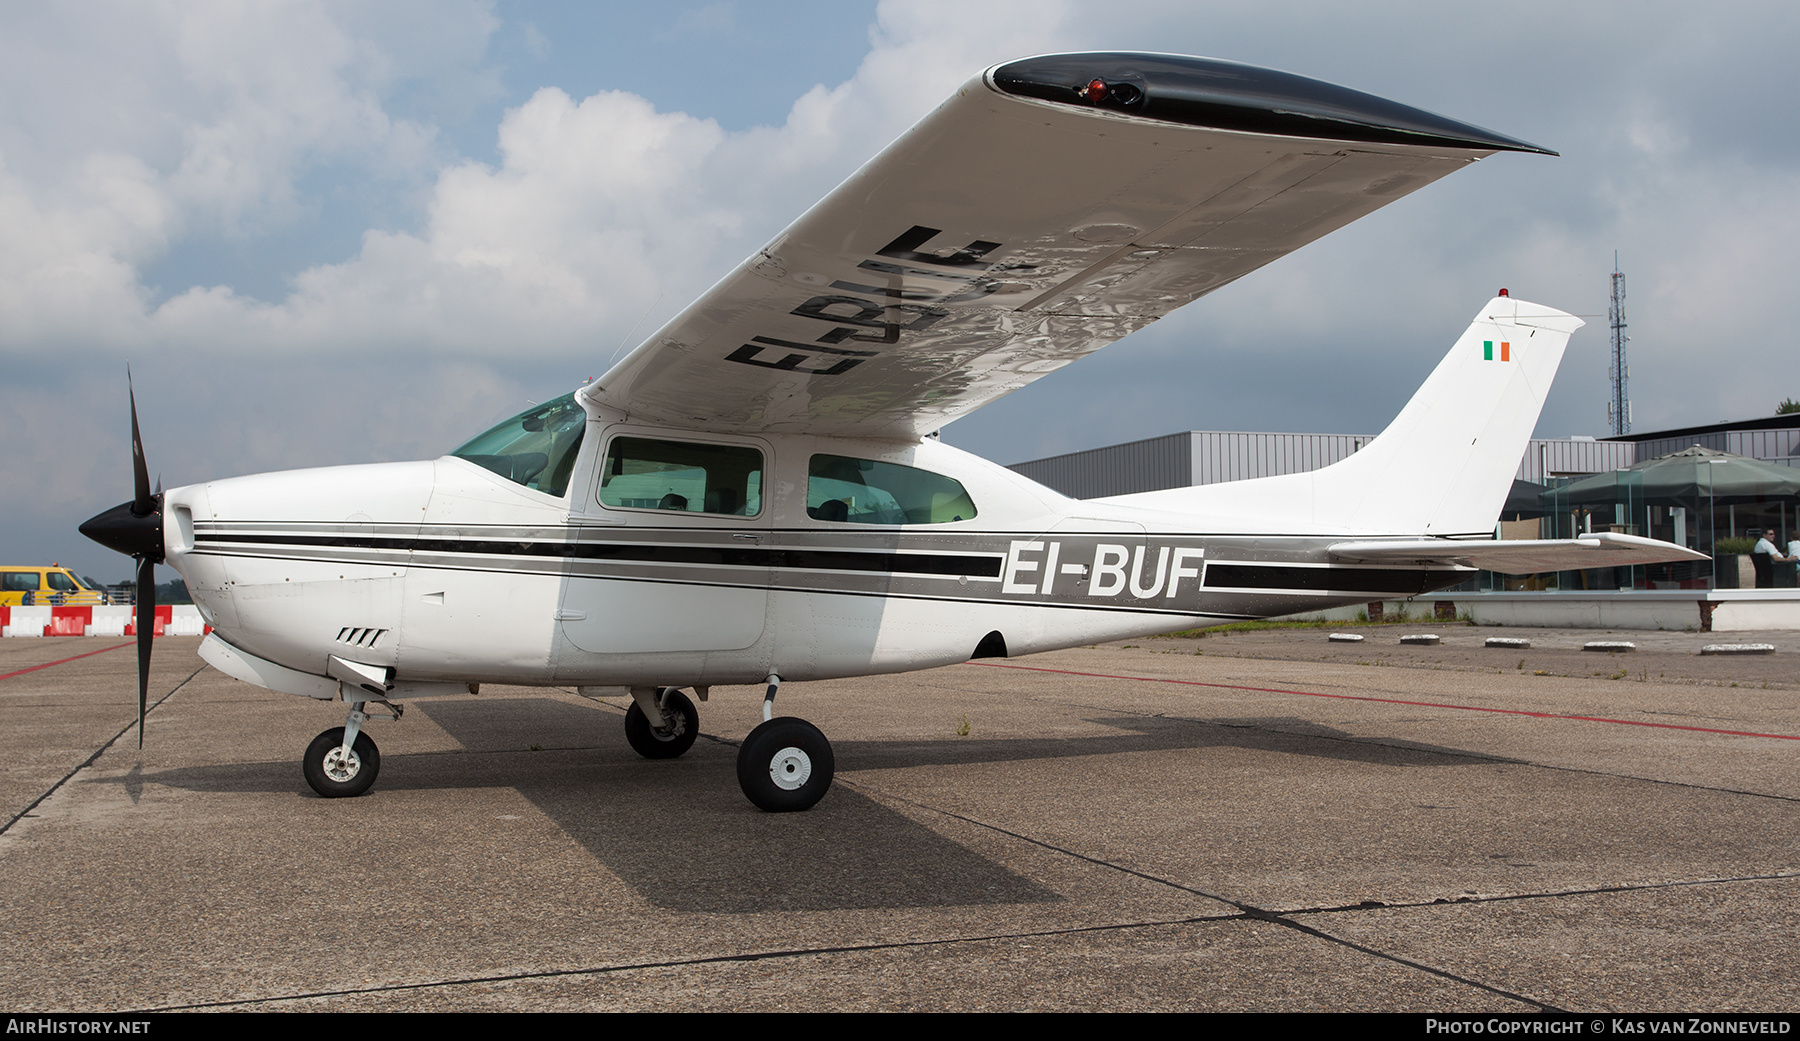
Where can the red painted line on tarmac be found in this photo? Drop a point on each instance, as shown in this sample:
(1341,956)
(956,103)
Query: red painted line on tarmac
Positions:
(78,657)
(1391,701)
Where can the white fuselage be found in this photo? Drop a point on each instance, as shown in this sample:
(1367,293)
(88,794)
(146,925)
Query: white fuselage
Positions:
(446,572)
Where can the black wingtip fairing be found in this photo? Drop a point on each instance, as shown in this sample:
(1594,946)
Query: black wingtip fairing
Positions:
(1225,95)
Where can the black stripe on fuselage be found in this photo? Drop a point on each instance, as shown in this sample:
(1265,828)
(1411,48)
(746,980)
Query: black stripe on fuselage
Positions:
(728,556)
(1276,577)
(962,598)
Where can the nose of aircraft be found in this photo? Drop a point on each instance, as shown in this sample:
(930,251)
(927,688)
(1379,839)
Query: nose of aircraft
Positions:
(125,530)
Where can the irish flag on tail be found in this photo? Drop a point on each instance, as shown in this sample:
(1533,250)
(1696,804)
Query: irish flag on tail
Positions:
(1487,350)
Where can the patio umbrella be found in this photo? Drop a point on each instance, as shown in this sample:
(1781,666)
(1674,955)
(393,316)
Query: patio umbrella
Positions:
(1524,502)
(1691,478)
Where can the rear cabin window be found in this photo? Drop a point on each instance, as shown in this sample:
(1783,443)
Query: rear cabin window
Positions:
(19,581)
(536,448)
(649,474)
(864,491)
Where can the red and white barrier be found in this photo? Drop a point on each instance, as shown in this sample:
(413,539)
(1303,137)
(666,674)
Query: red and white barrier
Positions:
(105,620)
(24,621)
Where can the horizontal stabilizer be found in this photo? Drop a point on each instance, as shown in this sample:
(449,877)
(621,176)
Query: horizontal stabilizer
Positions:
(1521,557)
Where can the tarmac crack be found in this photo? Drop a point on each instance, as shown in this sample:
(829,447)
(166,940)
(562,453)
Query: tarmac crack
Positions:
(1549,894)
(718,959)
(98,752)
(1247,910)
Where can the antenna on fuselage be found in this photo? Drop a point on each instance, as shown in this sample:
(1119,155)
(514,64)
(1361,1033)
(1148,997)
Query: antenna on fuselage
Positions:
(623,340)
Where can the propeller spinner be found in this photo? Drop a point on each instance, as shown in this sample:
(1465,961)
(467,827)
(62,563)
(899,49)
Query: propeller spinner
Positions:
(135,529)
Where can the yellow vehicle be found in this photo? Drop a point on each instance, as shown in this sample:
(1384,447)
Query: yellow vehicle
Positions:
(53,585)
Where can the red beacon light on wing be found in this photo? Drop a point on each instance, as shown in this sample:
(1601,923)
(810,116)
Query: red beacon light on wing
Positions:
(1099,92)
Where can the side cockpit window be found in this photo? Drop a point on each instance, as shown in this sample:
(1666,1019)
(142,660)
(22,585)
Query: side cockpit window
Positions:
(685,477)
(866,491)
(536,448)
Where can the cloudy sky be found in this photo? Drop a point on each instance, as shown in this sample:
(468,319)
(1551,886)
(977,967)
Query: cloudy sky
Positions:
(339,232)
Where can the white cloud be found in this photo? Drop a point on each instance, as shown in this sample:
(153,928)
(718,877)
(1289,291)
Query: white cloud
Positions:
(597,209)
(592,203)
(68,261)
(155,124)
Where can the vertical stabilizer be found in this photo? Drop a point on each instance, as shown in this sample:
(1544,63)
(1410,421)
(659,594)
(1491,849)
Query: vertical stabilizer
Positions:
(1444,465)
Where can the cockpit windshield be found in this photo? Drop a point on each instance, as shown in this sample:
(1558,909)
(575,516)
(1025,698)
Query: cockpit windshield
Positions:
(536,448)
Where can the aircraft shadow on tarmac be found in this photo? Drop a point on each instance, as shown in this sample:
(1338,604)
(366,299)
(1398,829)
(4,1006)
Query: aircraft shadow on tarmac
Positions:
(679,833)
(1283,734)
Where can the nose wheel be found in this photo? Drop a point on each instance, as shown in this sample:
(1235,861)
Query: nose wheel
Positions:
(337,772)
(343,761)
(680,725)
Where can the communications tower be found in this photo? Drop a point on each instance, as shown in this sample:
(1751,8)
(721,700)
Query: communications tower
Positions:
(1618,410)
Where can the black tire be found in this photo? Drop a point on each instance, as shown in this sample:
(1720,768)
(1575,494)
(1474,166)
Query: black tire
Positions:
(785,765)
(350,779)
(647,741)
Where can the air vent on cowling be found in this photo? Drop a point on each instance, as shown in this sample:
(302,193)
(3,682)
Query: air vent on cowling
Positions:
(360,637)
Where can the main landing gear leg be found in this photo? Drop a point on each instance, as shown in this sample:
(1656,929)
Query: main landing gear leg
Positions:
(343,761)
(785,764)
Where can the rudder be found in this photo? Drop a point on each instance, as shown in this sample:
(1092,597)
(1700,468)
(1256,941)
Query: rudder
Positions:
(1445,464)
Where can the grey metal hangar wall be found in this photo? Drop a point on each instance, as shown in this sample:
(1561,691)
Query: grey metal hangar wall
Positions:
(1210,456)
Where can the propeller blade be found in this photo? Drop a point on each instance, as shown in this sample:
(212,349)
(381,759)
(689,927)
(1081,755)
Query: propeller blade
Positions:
(146,629)
(135,528)
(142,502)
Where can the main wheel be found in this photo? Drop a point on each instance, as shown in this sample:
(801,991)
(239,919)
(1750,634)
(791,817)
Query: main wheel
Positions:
(651,743)
(785,765)
(336,775)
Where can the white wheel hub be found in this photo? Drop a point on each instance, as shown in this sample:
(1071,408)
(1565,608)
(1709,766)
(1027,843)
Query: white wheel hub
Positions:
(342,765)
(790,768)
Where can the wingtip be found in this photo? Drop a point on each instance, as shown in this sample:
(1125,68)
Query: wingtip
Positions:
(1225,95)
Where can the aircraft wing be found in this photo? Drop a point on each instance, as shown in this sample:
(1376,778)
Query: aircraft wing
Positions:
(1054,205)
(1519,557)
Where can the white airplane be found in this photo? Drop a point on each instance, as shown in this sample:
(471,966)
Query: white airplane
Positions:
(756,493)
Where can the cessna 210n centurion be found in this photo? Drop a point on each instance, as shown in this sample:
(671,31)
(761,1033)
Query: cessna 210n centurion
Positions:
(755,493)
